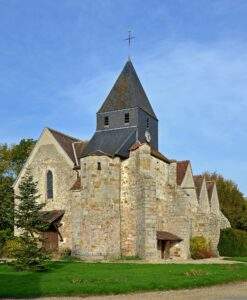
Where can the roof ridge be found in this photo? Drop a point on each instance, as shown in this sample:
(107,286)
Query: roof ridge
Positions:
(64,134)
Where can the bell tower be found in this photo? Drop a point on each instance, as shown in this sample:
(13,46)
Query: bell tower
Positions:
(125,117)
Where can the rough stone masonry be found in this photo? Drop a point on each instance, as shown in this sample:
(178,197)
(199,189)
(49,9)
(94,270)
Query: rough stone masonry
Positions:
(116,195)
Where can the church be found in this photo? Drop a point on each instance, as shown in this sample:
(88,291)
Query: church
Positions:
(117,195)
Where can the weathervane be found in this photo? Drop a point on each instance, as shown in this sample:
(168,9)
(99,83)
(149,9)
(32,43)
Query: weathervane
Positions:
(129,39)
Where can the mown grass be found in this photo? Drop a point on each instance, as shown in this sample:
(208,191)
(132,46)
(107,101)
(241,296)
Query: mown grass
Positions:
(243,259)
(79,278)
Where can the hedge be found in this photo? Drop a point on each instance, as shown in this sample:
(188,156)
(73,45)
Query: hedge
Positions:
(233,242)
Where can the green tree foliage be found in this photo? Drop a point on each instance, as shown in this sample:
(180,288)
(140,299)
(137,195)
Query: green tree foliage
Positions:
(19,154)
(27,212)
(6,203)
(28,220)
(232,201)
(233,242)
(12,159)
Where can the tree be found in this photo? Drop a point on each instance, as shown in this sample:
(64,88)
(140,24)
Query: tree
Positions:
(28,221)
(19,155)
(6,203)
(232,201)
(12,159)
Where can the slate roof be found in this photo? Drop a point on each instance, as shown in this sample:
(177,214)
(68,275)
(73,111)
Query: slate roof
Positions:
(181,170)
(110,143)
(167,236)
(153,151)
(127,92)
(66,141)
(79,147)
(198,180)
(51,216)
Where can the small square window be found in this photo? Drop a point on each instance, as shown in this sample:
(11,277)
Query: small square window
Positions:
(147,122)
(126,118)
(106,121)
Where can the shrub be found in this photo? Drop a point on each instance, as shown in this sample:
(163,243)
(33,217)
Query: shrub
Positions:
(65,253)
(5,235)
(200,248)
(11,247)
(233,242)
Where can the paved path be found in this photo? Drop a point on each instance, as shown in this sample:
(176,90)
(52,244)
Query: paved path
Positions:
(221,292)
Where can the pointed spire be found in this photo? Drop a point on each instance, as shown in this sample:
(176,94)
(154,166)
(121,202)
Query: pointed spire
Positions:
(213,197)
(202,193)
(127,92)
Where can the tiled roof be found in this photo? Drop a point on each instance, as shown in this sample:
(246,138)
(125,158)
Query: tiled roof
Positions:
(127,92)
(181,170)
(51,216)
(135,146)
(167,236)
(79,147)
(159,155)
(154,152)
(198,180)
(77,185)
(66,141)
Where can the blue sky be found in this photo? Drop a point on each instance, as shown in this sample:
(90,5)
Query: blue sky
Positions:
(59,59)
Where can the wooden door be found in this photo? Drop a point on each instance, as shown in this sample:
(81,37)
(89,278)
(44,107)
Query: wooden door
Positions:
(162,248)
(50,241)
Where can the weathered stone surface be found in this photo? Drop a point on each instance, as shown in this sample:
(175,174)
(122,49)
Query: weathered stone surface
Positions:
(49,157)
(121,204)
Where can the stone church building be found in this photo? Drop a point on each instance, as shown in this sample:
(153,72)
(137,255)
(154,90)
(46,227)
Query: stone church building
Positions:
(116,194)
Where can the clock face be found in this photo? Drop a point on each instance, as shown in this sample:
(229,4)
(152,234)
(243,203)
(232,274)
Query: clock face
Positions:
(148,136)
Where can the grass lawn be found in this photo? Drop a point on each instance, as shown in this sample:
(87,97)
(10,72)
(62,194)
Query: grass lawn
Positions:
(78,278)
(243,259)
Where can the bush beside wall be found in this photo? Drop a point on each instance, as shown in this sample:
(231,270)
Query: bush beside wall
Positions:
(200,248)
(233,242)
(11,247)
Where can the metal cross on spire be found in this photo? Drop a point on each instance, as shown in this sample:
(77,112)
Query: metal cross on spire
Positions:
(129,39)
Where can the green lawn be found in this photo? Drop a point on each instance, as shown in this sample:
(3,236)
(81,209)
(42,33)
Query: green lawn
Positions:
(243,259)
(78,278)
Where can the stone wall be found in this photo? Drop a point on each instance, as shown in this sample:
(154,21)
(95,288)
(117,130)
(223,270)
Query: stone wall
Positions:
(97,226)
(121,204)
(130,206)
(160,205)
(47,157)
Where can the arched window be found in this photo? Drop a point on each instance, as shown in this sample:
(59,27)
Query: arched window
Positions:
(49,185)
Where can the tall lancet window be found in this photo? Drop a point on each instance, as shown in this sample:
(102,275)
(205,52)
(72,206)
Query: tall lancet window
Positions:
(49,185)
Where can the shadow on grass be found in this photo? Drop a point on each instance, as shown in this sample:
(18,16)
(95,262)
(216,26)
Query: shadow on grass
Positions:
(22,284)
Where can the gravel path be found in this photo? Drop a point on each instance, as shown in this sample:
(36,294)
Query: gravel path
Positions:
(221,292)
